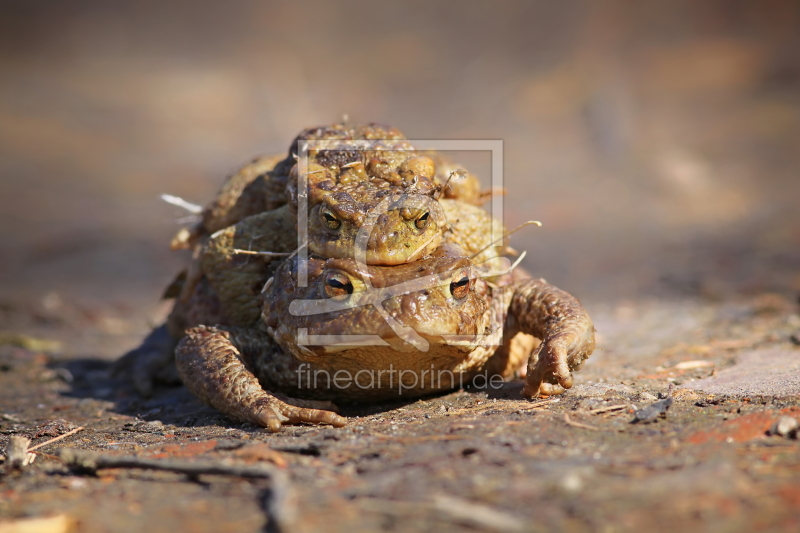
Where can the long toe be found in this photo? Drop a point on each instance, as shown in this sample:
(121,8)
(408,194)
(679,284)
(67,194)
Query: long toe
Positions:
(314,416)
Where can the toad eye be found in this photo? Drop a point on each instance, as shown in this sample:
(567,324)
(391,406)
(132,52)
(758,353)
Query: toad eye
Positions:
(423,220)
(337,285)
(459,287)
(329,220)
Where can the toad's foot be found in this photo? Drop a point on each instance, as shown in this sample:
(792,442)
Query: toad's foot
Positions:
(215,365)
(551,364)
(566,331)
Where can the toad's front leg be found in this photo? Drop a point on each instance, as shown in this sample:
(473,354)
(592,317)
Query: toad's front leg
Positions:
(565,328)
(216,365)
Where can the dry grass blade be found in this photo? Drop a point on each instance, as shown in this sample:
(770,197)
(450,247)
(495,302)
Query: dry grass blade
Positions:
(421,438)
(502,406)
(177,201)
(54,439)
(609,408)
(539,403)
(569,422)
(459,510)
(477,515)
(252,252)
(691,365)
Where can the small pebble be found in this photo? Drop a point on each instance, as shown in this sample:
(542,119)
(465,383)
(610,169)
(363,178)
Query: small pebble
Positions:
(647,397)
(228,444)
(572,482)
(786,426)
(74,483)
(652,412)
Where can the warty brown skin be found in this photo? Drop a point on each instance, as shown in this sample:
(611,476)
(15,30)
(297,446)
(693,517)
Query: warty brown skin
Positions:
(233,368)
(567,332)
(227,282)
(399,222)
(223,379)
(244,372)
(346,180)
(222,285)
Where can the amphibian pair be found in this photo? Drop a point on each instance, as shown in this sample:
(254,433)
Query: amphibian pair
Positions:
(392,260)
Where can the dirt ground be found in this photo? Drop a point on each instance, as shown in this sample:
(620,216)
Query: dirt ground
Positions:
(659,144)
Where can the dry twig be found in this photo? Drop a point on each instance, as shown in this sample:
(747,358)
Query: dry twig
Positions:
(280,504)
(253,252)
(91,461)
(421,438)
(609,408)
(459,510)
(502,406)
(54,439)
(691,365)
(569,422)
(476,514)
(536,404)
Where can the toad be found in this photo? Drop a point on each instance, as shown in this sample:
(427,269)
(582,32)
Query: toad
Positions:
(350,171)
(371,333)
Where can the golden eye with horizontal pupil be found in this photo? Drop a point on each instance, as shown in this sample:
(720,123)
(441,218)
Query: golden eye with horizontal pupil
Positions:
(329,220)
(423,220)
(337,285)
(459,287)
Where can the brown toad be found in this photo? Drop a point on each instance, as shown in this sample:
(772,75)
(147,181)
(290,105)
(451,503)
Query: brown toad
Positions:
(371,333)
(349,172)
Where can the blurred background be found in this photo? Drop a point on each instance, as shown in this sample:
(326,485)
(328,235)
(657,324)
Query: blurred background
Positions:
(658,142)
